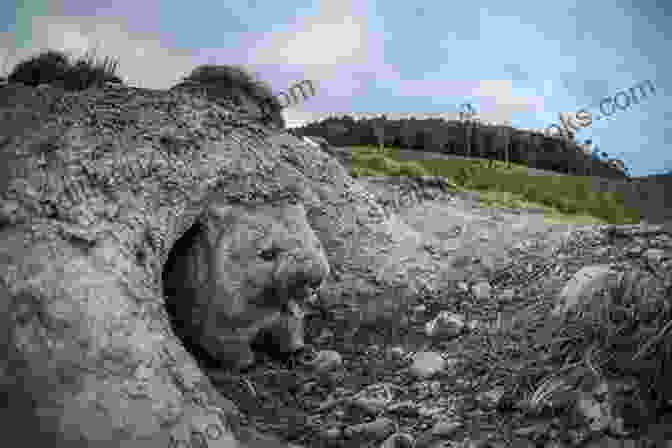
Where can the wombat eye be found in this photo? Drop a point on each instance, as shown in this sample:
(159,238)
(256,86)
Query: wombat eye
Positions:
(269,254)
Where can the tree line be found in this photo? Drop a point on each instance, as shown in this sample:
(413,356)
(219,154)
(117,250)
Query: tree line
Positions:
(469,138)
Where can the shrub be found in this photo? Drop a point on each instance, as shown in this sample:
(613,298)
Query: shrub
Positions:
(54,68)
(547,199)
(531,193)
(230,80)
(44,68)
(566,206)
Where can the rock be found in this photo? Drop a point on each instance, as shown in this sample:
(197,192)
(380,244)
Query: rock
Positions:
(491,398)
(597,415)
(378,429)
(324,336)
(507,295)
(324,361)
(332,434)
(583,285)
(445,325)
(418,313)
(656,255)
(446,428)
(399,440)
(374,398)
(426,364)
(481,290)
(396,353)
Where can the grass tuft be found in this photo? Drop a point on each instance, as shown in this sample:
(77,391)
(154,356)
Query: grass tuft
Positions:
(57,69)
(232,80)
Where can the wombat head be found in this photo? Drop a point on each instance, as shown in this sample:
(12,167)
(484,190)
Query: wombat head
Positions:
(247,271)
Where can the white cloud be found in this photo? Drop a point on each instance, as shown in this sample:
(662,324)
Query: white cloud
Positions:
(334,46)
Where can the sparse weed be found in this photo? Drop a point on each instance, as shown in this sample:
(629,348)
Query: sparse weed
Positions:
(230,79)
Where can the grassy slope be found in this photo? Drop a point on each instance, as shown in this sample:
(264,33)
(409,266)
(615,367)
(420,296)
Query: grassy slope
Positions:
(563,198)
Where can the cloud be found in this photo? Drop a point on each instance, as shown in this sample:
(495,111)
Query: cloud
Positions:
(342,65)
(499,101)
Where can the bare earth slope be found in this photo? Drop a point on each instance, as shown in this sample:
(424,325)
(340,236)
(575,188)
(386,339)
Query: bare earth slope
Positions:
(472,240)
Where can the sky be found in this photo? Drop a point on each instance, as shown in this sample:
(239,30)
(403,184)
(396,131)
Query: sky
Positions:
(518,62)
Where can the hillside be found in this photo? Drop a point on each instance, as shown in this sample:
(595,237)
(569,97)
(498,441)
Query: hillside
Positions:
(452,137)
(641,198)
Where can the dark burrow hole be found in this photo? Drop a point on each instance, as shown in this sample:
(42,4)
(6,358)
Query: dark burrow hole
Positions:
(178,307)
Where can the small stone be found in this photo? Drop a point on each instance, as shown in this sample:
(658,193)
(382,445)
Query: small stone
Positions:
(325,360)
(617,427)
(426,364)
(601,390)
(602,251)
(418,311)
(655,255)
(446,427)
(399,440)
(425,411)
(332,433)
(324,336)
(370,405)
(507,295)
(592,411)
(396,352)
(406,408)
(529,431)
(377,429)
(635,250)
(481,290)
(554,444)
(372,349)
(445,324)
(491,398)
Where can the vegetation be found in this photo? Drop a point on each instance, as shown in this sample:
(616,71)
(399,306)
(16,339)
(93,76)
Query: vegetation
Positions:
(560,196)
(231,78)
(56,68)
(455,137)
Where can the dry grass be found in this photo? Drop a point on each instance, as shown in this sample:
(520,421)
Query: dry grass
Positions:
(58,69)
(230,79)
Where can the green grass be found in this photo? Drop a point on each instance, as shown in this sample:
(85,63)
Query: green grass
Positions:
(563,198)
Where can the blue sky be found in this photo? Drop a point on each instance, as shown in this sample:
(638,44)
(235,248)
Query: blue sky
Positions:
(520,61)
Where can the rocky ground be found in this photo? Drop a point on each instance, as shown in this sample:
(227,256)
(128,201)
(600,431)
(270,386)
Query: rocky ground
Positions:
(90,212)
(462,367)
